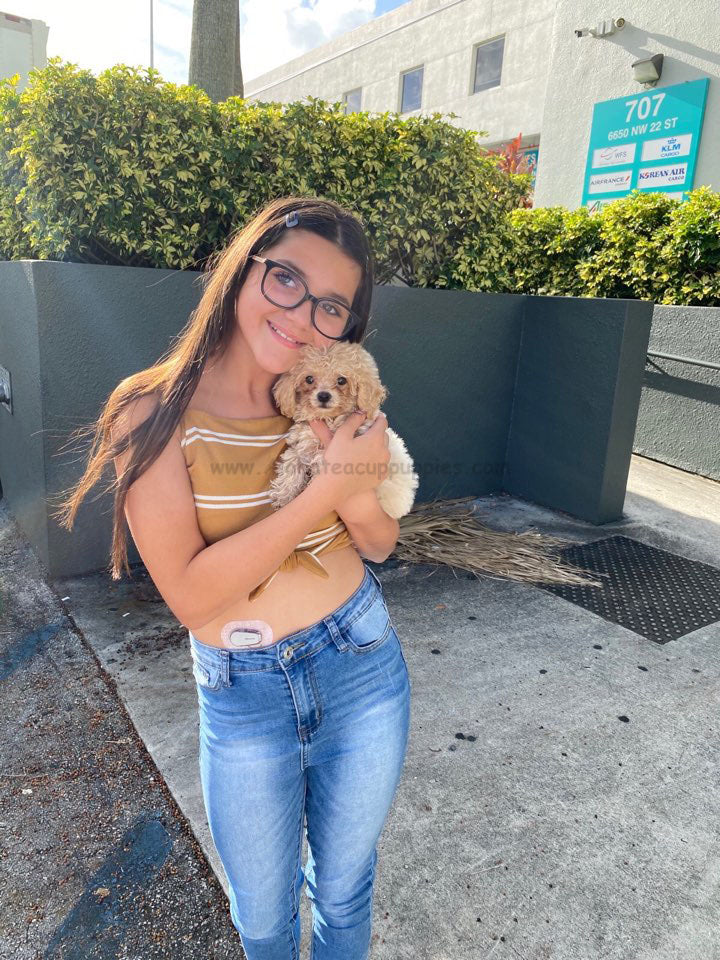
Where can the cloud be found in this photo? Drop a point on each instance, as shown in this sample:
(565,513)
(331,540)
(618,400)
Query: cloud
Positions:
(275,31)
(96,34)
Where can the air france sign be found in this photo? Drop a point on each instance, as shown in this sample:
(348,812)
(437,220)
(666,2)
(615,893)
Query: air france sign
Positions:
(647,142)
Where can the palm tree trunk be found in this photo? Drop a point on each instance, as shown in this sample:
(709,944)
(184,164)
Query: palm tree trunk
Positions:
(215,49)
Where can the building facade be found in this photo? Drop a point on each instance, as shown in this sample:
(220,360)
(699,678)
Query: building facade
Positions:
(475,58)
(543,69)
(23,46)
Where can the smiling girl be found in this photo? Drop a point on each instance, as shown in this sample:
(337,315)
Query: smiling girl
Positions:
(303,692)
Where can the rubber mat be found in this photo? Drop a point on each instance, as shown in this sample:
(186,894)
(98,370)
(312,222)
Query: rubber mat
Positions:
(657,594)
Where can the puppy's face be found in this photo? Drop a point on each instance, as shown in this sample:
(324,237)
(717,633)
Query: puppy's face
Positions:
(328,382)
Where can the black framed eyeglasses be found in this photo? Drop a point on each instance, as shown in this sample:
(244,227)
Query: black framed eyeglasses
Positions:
(284,288)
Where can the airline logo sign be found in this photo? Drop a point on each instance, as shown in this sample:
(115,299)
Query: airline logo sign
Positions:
(666,148)
(611,156)
(645,142)
(662,176)
(610,182)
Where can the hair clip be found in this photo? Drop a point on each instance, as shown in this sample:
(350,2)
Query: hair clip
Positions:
(291,219)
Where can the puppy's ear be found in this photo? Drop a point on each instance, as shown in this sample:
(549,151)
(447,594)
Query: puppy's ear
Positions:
(284,392)
(371,394)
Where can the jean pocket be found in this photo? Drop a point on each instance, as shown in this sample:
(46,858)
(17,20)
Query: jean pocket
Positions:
(208,676)
(370,629)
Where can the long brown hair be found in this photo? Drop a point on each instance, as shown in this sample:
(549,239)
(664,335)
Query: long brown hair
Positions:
(174,377)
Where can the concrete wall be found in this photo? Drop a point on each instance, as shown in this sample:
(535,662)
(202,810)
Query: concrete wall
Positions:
(586,70)
(442,36)
(533,395)
(679,417)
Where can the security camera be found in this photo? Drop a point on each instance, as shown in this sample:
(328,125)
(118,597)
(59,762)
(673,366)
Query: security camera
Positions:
(605,28)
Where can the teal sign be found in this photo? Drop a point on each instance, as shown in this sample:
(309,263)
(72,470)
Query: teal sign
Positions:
(647,141)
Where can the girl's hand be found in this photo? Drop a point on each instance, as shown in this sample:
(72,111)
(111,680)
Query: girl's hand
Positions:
(355,464)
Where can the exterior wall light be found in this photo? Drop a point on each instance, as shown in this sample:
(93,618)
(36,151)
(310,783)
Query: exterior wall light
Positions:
(648,71)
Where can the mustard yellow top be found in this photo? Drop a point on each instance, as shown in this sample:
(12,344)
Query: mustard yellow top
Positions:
(231,463)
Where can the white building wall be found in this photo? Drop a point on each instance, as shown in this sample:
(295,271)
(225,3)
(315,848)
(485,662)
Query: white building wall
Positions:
(585,70)
(23,46)
(441,35)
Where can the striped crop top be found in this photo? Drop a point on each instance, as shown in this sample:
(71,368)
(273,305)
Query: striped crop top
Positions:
(231,463)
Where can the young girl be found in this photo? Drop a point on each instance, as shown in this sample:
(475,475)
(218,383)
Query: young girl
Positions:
(303,690)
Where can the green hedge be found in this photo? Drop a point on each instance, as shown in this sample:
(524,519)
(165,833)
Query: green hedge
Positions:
(124,168)
(643,246)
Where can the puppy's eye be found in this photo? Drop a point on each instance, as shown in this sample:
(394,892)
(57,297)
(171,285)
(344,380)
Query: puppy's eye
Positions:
(309,379)
(341,381)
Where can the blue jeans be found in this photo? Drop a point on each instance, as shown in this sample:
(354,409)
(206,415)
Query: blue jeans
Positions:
(312,728)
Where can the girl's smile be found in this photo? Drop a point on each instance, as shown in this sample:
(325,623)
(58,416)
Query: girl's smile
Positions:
(279,334)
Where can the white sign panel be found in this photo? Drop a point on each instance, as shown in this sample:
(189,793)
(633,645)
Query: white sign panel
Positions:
(669,175)
(666,148)
(611,156)
(609,182)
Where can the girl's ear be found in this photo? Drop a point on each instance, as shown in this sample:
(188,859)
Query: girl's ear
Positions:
(285,395)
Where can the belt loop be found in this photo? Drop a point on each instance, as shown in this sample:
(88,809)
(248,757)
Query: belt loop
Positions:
(224,666)
(338,639)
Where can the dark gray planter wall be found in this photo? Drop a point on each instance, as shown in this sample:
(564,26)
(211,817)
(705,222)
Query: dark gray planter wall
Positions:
(448,359)
(579,378)
(69,333)
(22,455)
(679,416)
(537,396)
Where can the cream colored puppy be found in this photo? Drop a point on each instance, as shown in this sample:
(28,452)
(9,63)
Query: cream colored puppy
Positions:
(330,383)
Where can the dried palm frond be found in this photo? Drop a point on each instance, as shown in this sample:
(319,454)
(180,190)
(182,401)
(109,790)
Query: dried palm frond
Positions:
(439,532)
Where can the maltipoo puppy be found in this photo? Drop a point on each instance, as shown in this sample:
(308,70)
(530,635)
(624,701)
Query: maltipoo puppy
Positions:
(330,383)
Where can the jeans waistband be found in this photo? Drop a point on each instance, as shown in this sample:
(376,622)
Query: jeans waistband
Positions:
(315,636)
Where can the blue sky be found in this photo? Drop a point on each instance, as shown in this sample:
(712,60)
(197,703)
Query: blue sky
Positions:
(96,34)
(384,5)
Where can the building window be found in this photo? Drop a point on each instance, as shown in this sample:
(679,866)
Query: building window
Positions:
(488,64)
(411,95)
(352,100)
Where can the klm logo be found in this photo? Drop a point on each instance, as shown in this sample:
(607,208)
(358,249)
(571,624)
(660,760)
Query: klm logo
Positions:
(671,147)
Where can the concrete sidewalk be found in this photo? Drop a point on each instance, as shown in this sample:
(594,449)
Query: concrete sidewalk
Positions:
(530,822)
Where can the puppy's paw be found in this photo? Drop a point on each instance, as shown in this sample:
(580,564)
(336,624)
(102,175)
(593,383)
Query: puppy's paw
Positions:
(291,479)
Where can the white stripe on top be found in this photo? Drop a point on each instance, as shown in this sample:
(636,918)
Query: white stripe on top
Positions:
(232,496)
(233,439)
(320,537)
(254,502)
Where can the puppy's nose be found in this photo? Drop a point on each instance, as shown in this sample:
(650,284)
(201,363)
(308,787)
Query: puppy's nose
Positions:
(323,396)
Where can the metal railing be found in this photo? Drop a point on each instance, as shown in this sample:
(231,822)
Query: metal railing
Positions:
(691,360)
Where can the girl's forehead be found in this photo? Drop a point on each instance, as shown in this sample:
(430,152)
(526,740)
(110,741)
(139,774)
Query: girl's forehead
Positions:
(317,260)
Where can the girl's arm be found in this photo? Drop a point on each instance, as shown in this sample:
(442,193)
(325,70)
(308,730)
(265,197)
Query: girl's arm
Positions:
(373,532)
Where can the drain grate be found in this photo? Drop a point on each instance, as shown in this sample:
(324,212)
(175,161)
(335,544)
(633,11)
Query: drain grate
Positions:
(657,594)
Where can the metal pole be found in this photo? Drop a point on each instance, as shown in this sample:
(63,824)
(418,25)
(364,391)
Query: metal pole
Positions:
(152,45)
(691,360)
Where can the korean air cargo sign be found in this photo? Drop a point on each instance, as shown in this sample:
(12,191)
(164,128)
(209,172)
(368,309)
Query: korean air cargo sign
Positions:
(647,142)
